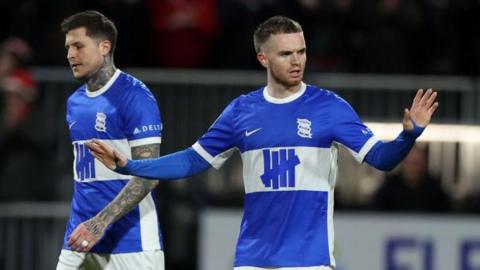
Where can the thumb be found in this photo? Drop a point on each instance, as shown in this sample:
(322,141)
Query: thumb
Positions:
(407,120)
(406,115)
(118,158)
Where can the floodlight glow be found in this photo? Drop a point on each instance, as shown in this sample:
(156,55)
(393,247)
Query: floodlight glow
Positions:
(433,133)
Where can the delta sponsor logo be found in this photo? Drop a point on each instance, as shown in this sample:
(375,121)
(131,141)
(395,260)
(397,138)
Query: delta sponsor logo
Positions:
(146,128)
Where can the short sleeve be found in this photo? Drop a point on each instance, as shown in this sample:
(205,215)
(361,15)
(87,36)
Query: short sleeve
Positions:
(218,144)
(141,118)
(350,131)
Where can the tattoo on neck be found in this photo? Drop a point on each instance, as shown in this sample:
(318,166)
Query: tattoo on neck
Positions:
(102,75)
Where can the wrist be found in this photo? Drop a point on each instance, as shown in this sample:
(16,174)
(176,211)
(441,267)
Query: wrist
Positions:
(415,132)
(103,219)
(122,168)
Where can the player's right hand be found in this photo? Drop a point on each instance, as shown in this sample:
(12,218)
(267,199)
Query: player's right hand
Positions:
(106,154)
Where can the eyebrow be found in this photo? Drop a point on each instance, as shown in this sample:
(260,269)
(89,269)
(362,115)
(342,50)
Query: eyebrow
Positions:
(76,43)
(292,51)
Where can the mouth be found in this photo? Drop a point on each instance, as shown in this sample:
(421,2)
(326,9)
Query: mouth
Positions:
(74,66)
(295,73)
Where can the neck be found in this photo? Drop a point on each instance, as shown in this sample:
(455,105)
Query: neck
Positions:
(102,75)
(279,90)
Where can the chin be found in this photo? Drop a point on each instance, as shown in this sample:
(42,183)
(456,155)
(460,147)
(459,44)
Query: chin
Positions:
(79,76)
(297,81)
(293,82)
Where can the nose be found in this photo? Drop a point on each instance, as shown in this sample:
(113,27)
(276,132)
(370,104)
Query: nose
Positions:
(295,59)
(71,53)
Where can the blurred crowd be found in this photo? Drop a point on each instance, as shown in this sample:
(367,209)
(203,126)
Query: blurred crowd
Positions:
(379,36)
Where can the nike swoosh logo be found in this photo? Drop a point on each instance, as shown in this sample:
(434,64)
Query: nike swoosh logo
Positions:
(72,124)
(248,133)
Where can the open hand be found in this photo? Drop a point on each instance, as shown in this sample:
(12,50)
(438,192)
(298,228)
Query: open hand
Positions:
(110,157)
(423,107)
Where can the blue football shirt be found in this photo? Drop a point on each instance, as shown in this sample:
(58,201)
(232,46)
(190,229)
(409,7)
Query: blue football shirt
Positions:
(124,114)
(289,152)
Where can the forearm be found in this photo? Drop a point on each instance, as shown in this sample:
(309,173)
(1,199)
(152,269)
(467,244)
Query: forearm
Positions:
(170,167)
(134,191)
(387,155)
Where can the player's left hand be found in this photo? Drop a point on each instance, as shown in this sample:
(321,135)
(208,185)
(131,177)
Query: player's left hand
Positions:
(86,235)
(423,107)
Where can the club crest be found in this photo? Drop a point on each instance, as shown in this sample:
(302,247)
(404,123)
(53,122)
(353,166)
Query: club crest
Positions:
(101,122)
(304,128)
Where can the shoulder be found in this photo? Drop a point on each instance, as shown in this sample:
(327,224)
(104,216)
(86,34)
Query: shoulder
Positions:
(249,99)
(131,83)
(134,88)
(240,105)
(131,80)
(331,102)
(79,92)
(316,92)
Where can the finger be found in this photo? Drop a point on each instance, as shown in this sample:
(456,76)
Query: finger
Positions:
(77,245)
(91,243)
(406,115)
(103,145)
(98,144)
(96,141)
(433,108)
(101,148)
(407,120)
(119,159)
(73,237)
(82,247)
(94,147)
(431,99)
(105,161)
(97,156)
(425,97)
(89,247)
(417,98)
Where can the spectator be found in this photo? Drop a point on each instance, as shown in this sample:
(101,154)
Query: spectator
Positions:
(17,139)
(183,31)
(16,83)
(412,188)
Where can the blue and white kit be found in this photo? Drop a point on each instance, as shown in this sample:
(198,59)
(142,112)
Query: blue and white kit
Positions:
(124,114)
(289,153)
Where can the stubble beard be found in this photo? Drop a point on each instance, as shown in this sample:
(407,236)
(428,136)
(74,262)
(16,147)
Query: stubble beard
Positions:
(284,81)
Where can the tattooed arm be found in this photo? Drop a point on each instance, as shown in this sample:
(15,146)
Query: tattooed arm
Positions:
(135,190)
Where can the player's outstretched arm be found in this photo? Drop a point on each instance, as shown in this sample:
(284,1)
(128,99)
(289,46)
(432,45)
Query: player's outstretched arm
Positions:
(169,167)
(386,155)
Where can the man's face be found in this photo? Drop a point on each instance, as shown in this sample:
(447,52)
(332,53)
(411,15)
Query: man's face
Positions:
(284,56)
(84,54)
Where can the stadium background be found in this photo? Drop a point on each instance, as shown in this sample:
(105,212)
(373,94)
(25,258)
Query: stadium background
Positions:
(197,55)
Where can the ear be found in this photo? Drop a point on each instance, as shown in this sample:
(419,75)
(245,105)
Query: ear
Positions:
(262,58)
(105,47)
